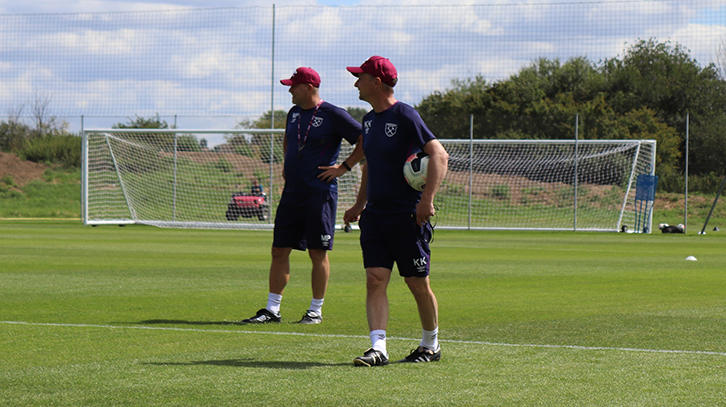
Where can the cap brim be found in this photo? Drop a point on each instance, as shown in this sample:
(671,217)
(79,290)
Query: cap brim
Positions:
(286,82)
(355,70)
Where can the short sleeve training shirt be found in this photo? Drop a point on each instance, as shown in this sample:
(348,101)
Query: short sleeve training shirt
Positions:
(389,138)
(329,126)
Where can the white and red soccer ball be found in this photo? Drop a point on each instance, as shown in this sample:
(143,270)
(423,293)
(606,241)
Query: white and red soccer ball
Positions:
(416,170)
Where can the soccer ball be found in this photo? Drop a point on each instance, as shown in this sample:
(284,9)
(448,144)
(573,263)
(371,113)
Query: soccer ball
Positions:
(416,170)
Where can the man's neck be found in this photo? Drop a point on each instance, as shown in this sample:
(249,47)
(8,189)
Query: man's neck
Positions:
(311,103)
(383,103)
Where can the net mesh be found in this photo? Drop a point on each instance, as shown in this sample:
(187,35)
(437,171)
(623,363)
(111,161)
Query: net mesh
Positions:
(546,184)
(147,178)
(211,68)
(491,184)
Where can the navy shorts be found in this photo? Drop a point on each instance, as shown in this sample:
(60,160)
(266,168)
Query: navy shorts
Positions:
(306,221)
(395,238)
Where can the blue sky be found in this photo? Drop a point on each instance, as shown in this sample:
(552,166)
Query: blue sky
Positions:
(229,77)
(93,6)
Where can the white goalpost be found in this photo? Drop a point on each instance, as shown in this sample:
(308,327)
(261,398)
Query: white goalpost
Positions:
(544,184)
(162,177)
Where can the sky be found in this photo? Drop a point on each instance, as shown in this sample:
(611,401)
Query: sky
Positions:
(102,6)
(211,68)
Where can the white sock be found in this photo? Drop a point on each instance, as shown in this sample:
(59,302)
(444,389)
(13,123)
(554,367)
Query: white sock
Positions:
(317,305)
(378,341)
(430,339)
(273,303)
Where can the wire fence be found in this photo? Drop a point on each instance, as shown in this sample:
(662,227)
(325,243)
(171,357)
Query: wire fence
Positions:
(212,68)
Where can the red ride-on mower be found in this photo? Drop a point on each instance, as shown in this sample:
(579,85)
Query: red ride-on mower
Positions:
(248,206)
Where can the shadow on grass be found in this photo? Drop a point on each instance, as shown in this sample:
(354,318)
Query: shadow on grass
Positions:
(252,363)
(233,362)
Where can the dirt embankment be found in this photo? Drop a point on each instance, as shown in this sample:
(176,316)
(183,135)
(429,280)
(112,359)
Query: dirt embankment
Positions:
(21,171)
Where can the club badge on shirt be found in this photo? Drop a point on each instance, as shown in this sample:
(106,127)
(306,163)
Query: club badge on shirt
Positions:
(391,129)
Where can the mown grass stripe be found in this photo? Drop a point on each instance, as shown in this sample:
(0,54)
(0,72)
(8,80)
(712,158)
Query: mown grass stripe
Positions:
(522,345)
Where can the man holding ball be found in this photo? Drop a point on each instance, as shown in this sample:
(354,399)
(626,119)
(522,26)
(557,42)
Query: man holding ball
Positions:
(395,218)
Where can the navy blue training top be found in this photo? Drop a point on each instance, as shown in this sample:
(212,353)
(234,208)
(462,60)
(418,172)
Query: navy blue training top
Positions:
(329,127)
(389,138)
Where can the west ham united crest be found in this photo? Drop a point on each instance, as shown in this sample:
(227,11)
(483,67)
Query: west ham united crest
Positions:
(391,129)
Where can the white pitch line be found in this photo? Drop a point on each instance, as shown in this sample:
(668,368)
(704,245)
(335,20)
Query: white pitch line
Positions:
(484,343)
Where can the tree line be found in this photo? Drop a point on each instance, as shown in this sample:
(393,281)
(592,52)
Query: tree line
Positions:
(647,93)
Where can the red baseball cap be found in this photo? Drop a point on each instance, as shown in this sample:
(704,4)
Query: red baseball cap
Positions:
(303,75)
(379,67)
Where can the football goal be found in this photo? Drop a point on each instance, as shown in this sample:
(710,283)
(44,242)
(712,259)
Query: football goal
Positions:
(167,178)
(544,184)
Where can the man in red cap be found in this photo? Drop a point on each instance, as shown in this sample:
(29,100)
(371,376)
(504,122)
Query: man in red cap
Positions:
(305,216)
(395,218)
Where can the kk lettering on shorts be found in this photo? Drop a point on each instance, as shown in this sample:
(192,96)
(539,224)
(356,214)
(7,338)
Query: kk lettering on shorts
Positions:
(388,238)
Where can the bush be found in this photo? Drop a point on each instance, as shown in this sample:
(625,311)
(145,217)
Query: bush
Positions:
(188,142)
(13,135)
(9,181)
(500,192)
(278,157)
(244,149)
(672,181)
(62,149)
(223,165)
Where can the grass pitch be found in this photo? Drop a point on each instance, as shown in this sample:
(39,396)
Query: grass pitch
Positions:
(134,316)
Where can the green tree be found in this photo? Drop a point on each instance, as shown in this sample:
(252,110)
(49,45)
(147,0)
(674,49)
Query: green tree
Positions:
(645,94)
(707,145)
(447,113)
(540,101)
(188,142)
(138,122)
(357,113)
(664,78)
(184,142)
(263,122)
(247,143)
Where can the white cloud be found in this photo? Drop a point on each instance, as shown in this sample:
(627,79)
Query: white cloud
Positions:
(217,62)
(702,40)
(294,26)
(119,42)
(105,6)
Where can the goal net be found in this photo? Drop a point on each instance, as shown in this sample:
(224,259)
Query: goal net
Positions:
(544,184)
(164,177)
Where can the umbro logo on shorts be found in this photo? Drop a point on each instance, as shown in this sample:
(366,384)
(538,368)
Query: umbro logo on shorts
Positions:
(325,239)
(420,264)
